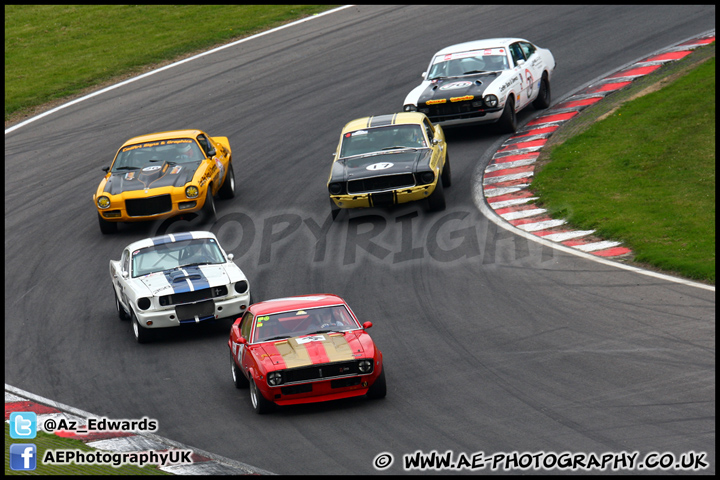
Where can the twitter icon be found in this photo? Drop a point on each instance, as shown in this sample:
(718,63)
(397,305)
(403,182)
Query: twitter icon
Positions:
(23,425)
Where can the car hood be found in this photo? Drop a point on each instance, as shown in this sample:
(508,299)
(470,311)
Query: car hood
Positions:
(186,279)
(446,89)
(318,348)
(388,162)
(153,176)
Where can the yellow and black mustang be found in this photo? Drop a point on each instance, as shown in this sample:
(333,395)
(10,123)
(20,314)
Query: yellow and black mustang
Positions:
(164,174)
(389,159)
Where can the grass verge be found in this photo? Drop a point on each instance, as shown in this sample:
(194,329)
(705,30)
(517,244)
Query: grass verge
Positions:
(641,169)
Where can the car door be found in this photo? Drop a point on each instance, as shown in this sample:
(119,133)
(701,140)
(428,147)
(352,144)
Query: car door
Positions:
(243,354)
(119,281)
(535,64)
(524,90)
(438,155)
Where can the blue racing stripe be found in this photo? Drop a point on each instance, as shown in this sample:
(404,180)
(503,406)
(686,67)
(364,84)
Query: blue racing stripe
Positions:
(187,279)
(172,237)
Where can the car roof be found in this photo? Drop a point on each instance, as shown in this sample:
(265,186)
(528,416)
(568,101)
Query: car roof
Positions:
(286,304)
(169,238)
(401,118)
(479,44)
(153,137)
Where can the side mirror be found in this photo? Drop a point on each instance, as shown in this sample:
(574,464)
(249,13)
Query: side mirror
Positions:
(106,169)
(367,325)
(242,340)
(211,152)
(435,141)
(230,257)
(423,75)
(124,274)
(520,63)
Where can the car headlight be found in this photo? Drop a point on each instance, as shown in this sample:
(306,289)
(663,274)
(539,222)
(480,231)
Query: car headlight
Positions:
(491,101)
(335,188)
(410,108)
(274,379)
(103,202)
(426,177)
(365,366)
(143,303)
(241,286)
(192,191)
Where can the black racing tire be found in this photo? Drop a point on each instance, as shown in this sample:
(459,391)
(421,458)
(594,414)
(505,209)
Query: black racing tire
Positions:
(446,175)
(378,389)
(141,334)
(259,403)
(227,190)
(122,314)
(508,120)
(543,99)
(436,200)
(208,209)
(106,227)
(239,379)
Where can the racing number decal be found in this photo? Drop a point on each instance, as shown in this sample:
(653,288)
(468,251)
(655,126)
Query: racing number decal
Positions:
(529,78)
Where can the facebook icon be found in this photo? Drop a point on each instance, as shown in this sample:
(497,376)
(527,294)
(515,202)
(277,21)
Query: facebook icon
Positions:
(23,456)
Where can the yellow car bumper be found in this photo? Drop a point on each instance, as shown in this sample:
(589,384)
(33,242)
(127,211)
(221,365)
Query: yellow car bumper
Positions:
(137,206)
(378,199)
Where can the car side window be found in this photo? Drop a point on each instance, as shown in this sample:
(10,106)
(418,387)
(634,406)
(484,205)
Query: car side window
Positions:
(429,129)
(517,53)
(125,261)
(204,144)
(528,49)
(246,325)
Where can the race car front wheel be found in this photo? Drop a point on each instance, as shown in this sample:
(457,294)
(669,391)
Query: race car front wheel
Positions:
(107,227)
(238,378)
(259,403)
(142,334)
(508,120)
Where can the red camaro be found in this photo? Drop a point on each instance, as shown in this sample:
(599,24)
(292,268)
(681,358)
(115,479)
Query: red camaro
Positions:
(304,349)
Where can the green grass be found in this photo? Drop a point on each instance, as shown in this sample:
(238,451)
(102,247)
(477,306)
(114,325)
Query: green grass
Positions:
(645,175)
(45,441)
(54,51)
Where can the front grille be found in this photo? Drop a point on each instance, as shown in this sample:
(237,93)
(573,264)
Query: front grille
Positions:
(384,182)
(203,310)
(197,295)
(320,372)
(294,389)
(382,199)
(142,207)
(454,110)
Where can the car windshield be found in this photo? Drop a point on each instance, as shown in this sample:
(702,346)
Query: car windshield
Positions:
(179,150)
(167,256)
(467,63)
(295,323)
(382,138)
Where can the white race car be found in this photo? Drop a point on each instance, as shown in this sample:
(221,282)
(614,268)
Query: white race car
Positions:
(174,279)
(484,81)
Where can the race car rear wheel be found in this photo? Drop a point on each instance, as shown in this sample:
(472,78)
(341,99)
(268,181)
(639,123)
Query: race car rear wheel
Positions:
(446,180)
(508,120)
(378,389)
(259,403)
(543,98)
(227,190)
(238,378)
(436,200)
(107,227)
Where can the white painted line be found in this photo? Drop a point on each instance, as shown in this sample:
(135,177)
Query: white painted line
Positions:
(496,192)
(561,237)
(591,247)
(534,227)
(136,443)
(522,214)
(494,167)
(505,178)
(510,203)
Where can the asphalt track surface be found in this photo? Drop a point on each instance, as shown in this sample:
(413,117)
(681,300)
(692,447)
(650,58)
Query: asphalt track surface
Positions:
(491,343)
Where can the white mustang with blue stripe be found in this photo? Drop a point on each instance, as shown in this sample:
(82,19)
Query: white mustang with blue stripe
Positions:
(178,278)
